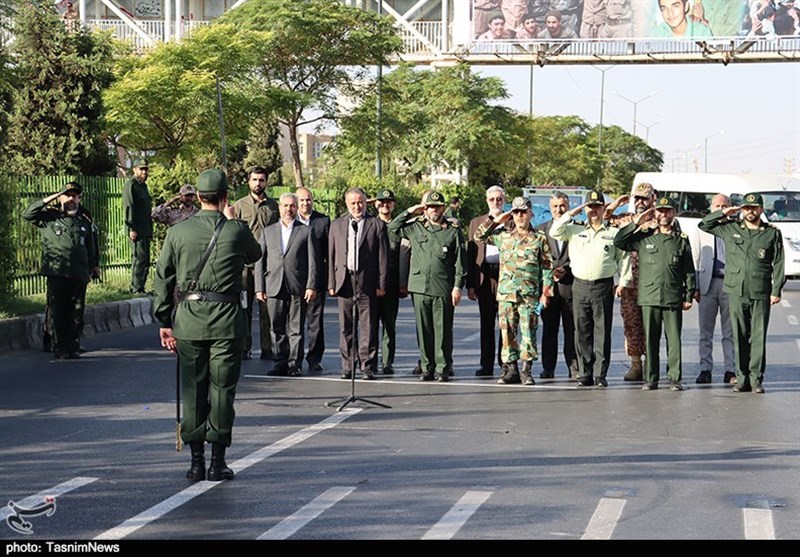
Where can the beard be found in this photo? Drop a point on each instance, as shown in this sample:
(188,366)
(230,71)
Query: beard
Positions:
(435,217)
(258,190)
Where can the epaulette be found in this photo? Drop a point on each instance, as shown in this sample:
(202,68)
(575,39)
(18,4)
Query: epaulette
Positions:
(684,236)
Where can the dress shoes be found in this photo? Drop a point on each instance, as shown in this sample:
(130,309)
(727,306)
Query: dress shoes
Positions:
(426,377)
(388,370)
(314,366)
(280,370)
(650,387)
(601,382)
(759,388)
(675,386)
(547,374)
(417,368)
(247,355)
(704,378)
(346,375)
(294,372)
(740,388)
(586,381)
(443,377)
(484,373)
(368,375)
(729,378)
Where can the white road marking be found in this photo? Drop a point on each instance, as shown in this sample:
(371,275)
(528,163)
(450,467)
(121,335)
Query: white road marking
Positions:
(455,518)
(792,319)
(55,491)
(785,303)
(153,513)
(306,514)
(472,337)
(604,519)
(758,524)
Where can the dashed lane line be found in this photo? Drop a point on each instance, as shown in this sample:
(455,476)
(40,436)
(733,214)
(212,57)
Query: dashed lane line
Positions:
(154,513)
(604,519)
(455,518)
(292,523)
(758,524)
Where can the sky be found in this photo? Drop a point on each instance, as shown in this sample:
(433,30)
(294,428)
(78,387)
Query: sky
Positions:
(745,116)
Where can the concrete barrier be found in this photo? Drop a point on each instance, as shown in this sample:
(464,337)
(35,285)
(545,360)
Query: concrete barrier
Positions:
(25,333)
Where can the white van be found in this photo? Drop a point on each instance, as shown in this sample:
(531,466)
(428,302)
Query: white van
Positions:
(693,193)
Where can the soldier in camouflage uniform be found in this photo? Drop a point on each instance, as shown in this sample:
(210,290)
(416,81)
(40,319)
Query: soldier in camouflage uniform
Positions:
(643,196)
(525,279)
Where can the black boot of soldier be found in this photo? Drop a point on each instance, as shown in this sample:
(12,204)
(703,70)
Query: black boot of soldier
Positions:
(525,374)
(197,471)
(511,376)
(218,470)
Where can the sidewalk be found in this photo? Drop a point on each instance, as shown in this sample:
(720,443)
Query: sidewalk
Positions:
(24,333)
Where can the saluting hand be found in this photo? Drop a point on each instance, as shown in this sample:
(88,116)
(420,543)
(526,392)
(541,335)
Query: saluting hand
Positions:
(730,211)
(417,209)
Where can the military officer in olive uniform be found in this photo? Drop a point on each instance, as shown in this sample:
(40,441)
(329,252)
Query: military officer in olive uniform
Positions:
(436,278)
(666,285)
(754,277)
(209,327)
(525,280)
(138,208)
(69,261)
(396,281)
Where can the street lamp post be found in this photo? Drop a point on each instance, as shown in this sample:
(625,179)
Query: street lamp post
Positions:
(647,133)
(602,102)
(705,152)
(635,103)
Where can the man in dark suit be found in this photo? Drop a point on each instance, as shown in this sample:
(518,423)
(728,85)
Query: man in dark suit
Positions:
(286,279)
(320,225)
(483,268)
(358,249)
(559,312)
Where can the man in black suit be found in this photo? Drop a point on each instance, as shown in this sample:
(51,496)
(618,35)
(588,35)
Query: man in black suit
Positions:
(358,249)
(320,225)
(559,311)
(286,279)
(483,268)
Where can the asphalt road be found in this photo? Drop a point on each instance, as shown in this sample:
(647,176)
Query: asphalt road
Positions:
(466,460)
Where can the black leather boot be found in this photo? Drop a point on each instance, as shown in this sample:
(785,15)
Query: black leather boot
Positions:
(511,376)
(197,471)
(218,470)
(525,374)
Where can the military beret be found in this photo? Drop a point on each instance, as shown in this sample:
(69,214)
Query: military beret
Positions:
(520,204)
(212,181)
(432,198)
(643,189)
(140,163)
(752,200)
(595,197)
(72,186)
(665,203)
(385,195)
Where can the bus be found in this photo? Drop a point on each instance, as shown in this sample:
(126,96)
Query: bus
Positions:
(693,194)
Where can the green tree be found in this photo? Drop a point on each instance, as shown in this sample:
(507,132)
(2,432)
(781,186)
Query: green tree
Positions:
(56,123)
(623,156)
(311,52)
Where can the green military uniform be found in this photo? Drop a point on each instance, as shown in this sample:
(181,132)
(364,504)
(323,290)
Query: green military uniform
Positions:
(69,254)
(754,271)
(526,266)
(258,215)
(438,266)
(138,206)
(210,333)
(666,280)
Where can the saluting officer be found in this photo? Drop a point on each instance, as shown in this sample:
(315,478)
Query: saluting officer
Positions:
(437,276)
(69,260)
(525,279)
(754,277)
(209,327)
(138,207)
(666,285)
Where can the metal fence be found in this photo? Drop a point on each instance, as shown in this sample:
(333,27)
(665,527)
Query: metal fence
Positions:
(102,197)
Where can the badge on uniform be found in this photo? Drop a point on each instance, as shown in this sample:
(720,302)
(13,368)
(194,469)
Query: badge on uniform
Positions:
(762,253)
(444,249)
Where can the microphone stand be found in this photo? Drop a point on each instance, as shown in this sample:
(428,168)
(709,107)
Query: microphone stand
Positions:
(354,340)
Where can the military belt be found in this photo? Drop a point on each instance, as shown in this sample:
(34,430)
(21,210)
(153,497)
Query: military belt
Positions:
(209,297)
(598,281)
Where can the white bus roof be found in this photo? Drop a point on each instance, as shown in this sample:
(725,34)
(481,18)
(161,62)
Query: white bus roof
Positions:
(719,183)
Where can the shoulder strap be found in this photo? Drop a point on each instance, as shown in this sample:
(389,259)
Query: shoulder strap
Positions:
(217,230)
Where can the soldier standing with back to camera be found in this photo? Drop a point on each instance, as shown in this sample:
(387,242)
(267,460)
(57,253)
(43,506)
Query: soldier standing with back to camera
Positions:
(754,277)
(69,261)
(436,278)
(209,328)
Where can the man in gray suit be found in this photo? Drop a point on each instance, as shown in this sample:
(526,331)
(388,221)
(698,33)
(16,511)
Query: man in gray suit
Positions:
(358,249)
(286,279)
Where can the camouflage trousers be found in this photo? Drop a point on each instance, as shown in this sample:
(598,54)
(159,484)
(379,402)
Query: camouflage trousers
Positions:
(518,324)
(633,326)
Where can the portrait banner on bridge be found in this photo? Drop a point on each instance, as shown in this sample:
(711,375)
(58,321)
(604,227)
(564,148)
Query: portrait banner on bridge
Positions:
(612,19)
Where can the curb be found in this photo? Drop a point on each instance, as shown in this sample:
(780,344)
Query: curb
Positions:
(25,333)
